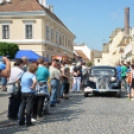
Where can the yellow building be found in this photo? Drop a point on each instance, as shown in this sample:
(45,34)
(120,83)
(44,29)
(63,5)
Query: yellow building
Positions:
(120,44)
(33,26)
(105,54)
(97,57)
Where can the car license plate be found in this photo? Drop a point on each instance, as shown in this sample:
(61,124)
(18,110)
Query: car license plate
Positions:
(88,89)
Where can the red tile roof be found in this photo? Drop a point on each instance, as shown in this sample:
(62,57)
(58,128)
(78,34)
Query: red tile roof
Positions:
(25,6)
(20,5)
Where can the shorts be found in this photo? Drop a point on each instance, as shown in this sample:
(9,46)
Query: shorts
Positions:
(3,81)
(128,88)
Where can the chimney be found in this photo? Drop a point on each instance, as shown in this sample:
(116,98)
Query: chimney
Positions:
(42,2)
(127,21)
(51,8)
(1,1)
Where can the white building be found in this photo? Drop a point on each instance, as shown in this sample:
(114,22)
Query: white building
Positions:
(84,51)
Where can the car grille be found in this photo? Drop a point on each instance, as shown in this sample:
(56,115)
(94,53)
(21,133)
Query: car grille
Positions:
(102,83)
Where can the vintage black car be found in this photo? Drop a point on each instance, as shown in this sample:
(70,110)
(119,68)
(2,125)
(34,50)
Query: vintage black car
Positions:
(101,79)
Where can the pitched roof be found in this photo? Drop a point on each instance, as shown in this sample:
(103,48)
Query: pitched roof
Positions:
(105,48)
(27,5)
(115,32)
(97,54)
(82,54)
(20,5)
(123,42)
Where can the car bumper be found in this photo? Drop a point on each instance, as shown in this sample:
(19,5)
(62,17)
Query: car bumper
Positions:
(90,90)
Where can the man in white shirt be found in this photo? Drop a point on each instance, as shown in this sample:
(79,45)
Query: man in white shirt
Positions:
(54,81)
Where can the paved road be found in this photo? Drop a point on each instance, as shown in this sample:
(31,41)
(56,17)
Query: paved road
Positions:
(99,114)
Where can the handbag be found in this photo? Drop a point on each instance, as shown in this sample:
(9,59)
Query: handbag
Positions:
(14,89)
(42,89)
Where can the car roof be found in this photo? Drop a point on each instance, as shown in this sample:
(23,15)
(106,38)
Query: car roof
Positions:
(102,67)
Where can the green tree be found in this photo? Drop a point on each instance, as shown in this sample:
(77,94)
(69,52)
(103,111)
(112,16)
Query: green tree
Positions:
(89,64)
(8,49)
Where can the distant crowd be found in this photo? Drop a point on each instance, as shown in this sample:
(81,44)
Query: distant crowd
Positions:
(34,87)
(126,76)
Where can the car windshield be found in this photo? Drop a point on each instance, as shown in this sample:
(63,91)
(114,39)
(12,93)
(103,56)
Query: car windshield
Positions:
(103,72)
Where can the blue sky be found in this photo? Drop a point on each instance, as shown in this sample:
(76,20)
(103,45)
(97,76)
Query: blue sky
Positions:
(92,21)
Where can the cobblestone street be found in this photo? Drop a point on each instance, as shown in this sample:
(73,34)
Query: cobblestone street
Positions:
(99,114)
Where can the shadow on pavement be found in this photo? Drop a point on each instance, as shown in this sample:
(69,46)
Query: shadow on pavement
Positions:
(61,112)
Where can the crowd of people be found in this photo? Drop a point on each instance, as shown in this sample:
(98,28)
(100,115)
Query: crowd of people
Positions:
(33,87)
(125,74)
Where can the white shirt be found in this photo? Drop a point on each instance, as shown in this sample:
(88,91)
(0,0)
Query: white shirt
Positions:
(16,74)
(54,73)
(71,68)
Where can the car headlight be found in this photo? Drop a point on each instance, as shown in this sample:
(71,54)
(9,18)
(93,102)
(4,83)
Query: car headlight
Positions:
(93,79)
(112,79)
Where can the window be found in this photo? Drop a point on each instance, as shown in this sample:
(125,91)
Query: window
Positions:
(98,60)
(52,34)
(28,29)
(57,38)
(68,42)
(60,40)
(63,40)
(47,33)
(5,32)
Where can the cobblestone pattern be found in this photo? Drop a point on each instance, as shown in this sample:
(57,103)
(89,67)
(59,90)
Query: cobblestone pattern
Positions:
(79,115)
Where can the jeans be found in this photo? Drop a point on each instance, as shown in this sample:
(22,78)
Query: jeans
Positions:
(26,103)
(38,105)
(3,81)
(54,87)
(77,84)
(128,88)
(62,89)
(13,106)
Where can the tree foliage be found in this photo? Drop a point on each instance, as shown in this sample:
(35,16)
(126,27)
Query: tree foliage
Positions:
(8,49)
(89,63)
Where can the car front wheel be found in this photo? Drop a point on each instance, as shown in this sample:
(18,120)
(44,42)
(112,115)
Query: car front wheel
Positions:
(118,94)
(85,94)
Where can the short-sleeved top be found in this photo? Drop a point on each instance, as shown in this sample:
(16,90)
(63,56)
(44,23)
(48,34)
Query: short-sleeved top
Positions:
(42,74)
(123,70)
(71,69)
(16,73)
(67,73)
(78,69)
(54,73)
(27,82)
(118,69)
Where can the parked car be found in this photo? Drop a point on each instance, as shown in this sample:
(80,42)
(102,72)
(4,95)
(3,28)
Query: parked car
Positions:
(102,79)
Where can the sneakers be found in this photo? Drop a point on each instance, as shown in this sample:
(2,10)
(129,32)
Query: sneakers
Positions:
(128,98)
(40,118)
